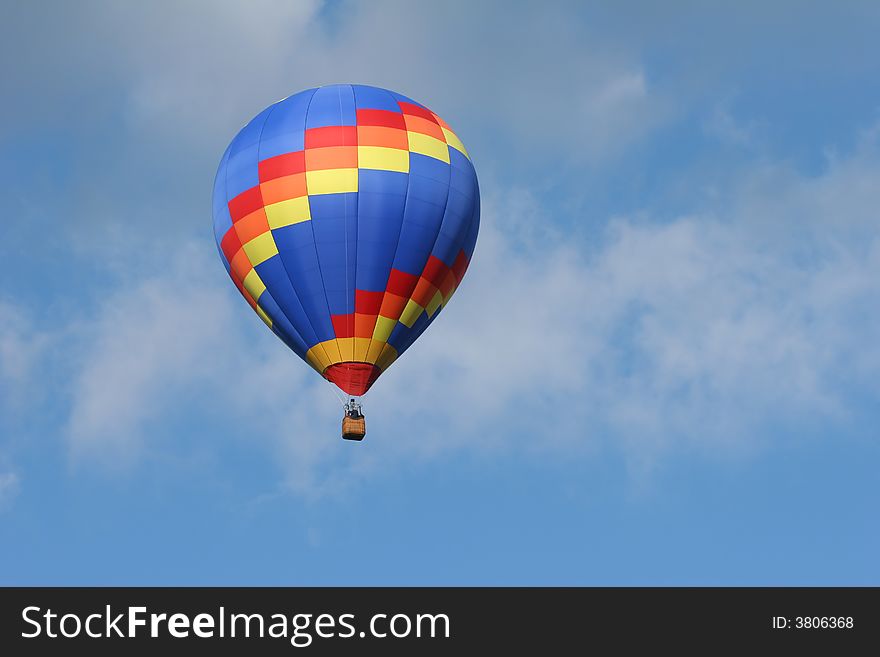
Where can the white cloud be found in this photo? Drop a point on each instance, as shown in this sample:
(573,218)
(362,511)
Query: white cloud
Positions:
(683,334)
(22,346)
(697,333)
(194,73)
(143,350)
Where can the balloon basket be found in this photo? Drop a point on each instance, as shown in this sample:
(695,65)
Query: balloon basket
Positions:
(353,428)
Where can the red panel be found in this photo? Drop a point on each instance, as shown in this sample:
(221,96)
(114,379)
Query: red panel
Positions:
(459,267)
(415,110)
(352,378)
(367,303)
(385,118)
(230,244)
(401,283)
(448,284)
(336,135)
(245,203)
(343,325)
(282,165)
(435,271)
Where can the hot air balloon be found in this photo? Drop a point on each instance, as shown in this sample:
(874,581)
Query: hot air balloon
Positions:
(347,216)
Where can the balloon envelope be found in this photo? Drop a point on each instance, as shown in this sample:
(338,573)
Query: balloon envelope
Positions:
(347,216)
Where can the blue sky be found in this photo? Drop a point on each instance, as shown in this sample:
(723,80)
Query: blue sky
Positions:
(662,367)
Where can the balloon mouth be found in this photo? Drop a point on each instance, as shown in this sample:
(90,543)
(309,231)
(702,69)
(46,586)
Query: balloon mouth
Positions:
(352,378)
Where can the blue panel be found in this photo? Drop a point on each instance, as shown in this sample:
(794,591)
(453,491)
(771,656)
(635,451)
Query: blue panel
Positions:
(248,135)
(400,338)
(242,172)
(425,206)
(296,245)
(285,338)
(428,191)
(404,99)
(387,182)
(284,131)
(274,275)
(331,105)
(281,326)
(429,167)
(458,160)
(461,223)
(381,203)
(470,241)
(297,282)
(455,227)
(374,98)
(334,220)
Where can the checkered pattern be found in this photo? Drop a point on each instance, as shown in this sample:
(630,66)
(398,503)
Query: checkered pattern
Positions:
(346,216)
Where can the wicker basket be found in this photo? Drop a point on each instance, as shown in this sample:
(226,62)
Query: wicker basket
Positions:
(354,429)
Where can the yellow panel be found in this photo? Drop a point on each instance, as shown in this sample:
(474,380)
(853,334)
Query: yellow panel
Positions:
(383,329)
(419,143)
(291,211)
(254,284)
(453,140)
(410,314)
(261,248)
(361,347)
(433,304)
(386,159)
(264,316)
(388,356)
(332,349)
(346,348)
(374,351)
(320,355)
(313,356)
(332,181)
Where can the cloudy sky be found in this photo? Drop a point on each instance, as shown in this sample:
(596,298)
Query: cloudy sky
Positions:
(663,366)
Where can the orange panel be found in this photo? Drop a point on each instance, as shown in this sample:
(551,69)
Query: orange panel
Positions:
(251,226)
(392,305)
(364,325)
(333,157)
(240,264)
(424,126)
(442,123)
(283,189)
(423,292)
(382,136)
